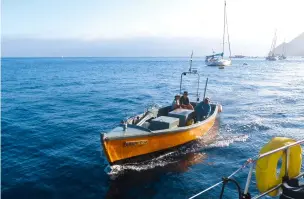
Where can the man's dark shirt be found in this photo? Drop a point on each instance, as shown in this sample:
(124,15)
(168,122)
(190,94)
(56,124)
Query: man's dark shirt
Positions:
(184,100)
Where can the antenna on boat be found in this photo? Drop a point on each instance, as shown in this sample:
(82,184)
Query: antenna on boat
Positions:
(191,62)
(193,72)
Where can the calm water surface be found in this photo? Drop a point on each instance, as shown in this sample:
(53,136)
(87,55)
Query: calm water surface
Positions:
(54,109)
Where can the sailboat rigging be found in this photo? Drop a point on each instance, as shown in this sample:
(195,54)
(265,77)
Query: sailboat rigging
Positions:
(271,56)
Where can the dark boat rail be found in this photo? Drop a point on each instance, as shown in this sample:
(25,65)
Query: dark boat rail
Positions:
(252,162)
(192,71)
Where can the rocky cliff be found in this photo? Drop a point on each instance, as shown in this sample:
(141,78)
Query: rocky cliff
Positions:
(294,48)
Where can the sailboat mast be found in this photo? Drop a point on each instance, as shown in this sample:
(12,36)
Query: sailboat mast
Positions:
(224,27)
(270,48)
(273,43)
(271,51)
(228,33)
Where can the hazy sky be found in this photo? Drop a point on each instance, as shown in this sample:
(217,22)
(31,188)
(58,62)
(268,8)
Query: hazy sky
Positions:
(250,21)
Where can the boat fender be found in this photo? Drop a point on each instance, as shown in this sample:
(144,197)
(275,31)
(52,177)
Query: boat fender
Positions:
(220,108)
(266,168)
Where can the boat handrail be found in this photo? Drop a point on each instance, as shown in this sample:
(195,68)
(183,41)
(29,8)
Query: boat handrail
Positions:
(251,162)
(260,156)
(279,149)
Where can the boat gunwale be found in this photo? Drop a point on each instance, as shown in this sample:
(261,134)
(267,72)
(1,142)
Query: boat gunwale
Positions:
(142,156)
(102,137)
(167,131)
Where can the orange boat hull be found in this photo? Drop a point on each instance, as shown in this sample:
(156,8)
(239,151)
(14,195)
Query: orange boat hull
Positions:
(124,148)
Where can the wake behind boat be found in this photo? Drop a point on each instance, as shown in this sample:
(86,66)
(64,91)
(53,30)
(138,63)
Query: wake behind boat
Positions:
(218,59)
(157,130)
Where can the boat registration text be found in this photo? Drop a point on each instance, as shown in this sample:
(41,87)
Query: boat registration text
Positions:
(135,143)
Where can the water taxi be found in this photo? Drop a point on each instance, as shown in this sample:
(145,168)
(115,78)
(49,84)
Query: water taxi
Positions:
(156,130)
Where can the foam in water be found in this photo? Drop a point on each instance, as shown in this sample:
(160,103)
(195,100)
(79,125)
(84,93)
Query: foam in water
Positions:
(224,142)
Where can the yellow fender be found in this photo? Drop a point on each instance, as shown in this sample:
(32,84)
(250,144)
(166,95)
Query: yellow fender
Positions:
(266,168)
(190,122)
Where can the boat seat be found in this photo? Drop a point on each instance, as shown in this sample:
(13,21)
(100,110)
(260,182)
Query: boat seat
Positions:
(183,114)
(163,122)
(164,111)
(146,125)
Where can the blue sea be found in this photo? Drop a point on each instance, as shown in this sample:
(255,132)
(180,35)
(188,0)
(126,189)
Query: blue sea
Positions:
(54,109)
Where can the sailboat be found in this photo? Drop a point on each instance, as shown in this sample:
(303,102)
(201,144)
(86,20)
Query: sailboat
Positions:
(217,59)
(282,56)
(271,56)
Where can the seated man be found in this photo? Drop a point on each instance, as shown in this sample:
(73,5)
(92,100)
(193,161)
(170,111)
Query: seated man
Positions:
(185,102)
(176,103)
(203,109)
